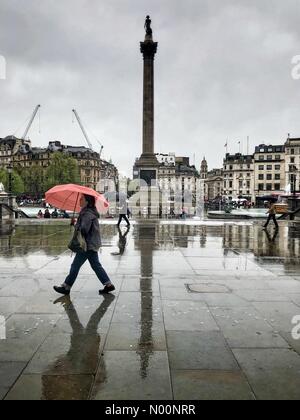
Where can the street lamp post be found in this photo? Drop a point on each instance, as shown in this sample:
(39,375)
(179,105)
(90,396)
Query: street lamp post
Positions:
(293,187)
(10,170)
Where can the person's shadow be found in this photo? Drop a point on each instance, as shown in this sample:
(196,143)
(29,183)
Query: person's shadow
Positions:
(272,238)
(122,241)
(71,376)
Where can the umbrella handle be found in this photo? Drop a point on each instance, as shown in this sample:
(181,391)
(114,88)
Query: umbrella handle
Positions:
(74,211)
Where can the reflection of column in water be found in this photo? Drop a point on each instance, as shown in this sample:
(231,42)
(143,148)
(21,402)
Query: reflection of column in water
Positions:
(200,199)
(146,240)
(203,237)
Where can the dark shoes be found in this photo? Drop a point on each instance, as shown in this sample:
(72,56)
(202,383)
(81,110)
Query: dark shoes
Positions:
(107,289)
(61,290)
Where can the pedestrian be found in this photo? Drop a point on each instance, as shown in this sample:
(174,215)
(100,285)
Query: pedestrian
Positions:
(272,215)
(65,215)
(40,214)
(54,214)
(88,226)
(123,211)
(47,214)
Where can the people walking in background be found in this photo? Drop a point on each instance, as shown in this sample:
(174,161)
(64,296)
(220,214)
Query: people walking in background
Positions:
(47,214)
(272,215)
(40,214)
(54,214)
(123,212)
(65,215)
(88,226)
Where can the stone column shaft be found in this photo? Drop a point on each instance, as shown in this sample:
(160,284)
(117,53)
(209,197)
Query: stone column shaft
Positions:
(148,107)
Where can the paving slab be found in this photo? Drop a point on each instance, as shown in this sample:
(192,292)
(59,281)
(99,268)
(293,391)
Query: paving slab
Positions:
(274,374)
(199,351)
(211,385)
(146,376)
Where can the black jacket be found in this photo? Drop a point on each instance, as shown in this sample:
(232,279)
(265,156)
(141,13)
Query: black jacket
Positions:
(88,224)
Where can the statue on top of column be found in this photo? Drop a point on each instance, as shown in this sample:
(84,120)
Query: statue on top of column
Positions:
(148,26)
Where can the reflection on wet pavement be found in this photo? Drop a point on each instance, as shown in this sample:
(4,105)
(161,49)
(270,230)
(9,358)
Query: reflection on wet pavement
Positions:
(200,312)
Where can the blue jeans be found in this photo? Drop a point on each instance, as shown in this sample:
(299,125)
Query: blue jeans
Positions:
(79,260)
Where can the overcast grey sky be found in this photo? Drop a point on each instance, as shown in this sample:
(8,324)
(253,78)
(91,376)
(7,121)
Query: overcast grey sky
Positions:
(223,70)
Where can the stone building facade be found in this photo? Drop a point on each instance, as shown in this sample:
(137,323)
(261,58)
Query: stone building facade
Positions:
(292,163)
(214,184)
(238,173)
(92,169)
(269,168)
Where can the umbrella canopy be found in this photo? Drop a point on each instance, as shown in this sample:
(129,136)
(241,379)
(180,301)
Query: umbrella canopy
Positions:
(67,197)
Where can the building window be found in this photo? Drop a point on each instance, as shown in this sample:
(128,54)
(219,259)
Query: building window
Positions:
(269,187)
(261,187)
(261,158)
(269,177)
(292,160)
(269,157)
(261,167)
(277,167)
(277,187)
(277,177)
(278,157)
(292,151)
(261,177)
(269,167)
(292,168)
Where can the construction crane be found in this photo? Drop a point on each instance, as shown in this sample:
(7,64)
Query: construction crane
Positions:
(101,148)
(85,133)
(82,129)
(30,122)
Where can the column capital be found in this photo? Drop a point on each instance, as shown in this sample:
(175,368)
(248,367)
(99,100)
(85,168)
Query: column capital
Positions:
(149,49)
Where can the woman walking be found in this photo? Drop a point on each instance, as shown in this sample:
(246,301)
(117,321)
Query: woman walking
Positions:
(88,225)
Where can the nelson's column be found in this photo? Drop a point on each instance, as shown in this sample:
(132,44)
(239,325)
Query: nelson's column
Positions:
(146,167)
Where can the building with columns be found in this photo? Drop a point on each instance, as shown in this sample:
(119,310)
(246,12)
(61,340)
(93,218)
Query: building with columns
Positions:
(238,173)
(214,184)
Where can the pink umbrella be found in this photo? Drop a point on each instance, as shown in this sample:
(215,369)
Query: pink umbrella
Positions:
(67,197)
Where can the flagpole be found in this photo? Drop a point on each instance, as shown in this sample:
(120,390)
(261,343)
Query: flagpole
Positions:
(226,145)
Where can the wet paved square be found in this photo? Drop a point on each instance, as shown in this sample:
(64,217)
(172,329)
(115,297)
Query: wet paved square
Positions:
(201,311)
